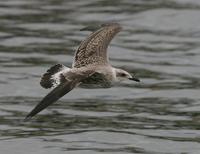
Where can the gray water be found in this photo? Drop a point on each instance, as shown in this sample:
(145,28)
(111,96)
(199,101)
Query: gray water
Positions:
(160,43)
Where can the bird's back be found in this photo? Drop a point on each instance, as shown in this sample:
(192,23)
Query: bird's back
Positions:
(102,78)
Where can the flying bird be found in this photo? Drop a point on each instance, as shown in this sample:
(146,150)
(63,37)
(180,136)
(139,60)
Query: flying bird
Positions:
(90,68)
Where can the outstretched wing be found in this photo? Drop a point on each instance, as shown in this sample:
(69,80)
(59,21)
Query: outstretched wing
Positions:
(94,48)
(59,91)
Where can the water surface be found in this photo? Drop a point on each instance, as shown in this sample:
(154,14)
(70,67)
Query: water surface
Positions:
(160,43)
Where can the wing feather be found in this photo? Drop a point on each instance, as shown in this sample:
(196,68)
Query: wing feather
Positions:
(94,48)
(59,91)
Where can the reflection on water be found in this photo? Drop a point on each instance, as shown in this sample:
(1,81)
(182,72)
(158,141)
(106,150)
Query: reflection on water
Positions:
(159,42)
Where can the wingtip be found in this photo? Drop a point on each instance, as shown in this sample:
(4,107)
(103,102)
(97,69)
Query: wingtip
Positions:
(95,27)
(27,118)
(110,24)
(90,28)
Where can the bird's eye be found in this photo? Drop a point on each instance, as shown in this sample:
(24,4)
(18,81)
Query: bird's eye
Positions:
(123,74)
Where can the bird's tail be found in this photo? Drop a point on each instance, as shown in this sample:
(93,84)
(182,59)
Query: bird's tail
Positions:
(54,76)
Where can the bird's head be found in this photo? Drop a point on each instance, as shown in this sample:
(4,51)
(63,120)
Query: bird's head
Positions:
(122,75)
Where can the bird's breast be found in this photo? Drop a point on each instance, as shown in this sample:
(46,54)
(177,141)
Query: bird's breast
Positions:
(97,80)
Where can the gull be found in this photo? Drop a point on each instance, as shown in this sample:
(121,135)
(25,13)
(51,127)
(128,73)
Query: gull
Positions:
(90,68)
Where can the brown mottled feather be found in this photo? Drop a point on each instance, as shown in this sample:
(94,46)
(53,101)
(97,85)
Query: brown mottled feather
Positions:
(94,48)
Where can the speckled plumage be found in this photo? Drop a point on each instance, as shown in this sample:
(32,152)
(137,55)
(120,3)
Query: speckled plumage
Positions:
(90,68)
(93,50)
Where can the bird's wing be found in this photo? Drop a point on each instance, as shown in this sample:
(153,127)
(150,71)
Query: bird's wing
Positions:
(94,48)
(62,89)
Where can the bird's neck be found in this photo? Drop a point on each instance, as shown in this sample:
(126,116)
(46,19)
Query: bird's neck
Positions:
(114,74)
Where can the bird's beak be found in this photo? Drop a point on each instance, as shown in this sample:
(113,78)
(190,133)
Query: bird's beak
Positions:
(134,79)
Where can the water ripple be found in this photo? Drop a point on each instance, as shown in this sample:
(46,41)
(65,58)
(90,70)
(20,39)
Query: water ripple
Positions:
(159,44)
